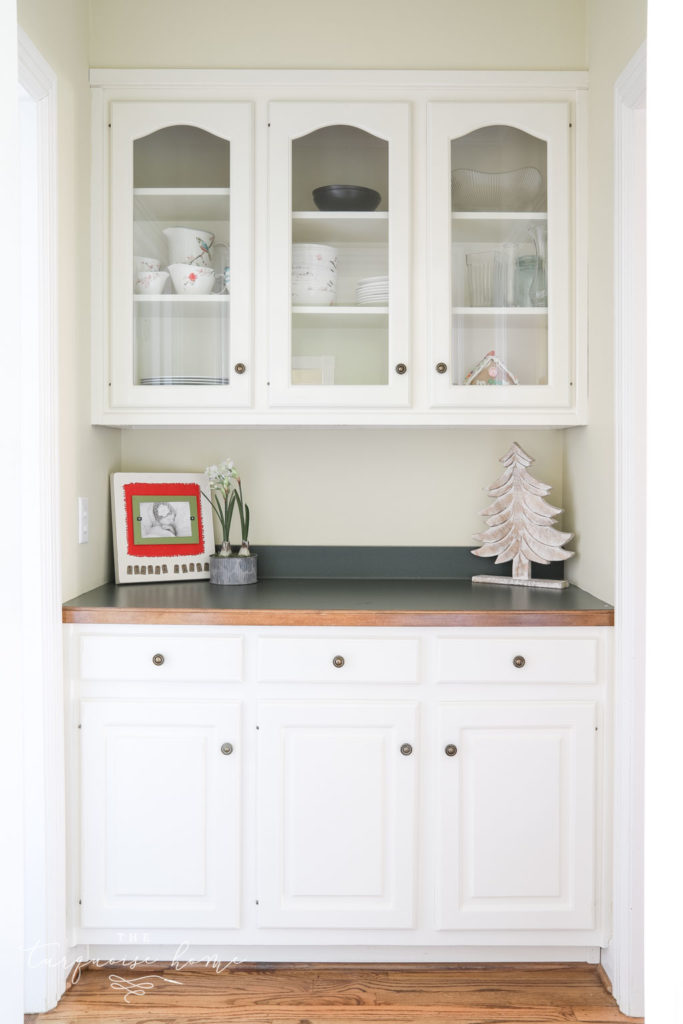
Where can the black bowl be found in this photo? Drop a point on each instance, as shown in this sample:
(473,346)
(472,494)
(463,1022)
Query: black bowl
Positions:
(346,197)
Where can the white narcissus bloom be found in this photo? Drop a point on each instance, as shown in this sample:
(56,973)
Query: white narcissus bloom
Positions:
(221,477)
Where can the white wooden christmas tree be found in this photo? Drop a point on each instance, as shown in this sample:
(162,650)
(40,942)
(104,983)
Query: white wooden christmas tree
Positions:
(520,525)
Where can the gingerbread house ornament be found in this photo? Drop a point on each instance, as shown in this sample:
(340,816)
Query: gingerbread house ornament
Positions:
(490,370)
(520,525)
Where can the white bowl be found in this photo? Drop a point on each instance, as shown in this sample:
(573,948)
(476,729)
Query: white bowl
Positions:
(189,245)
(151,282)
(506,190)
(191,280)
(146,263)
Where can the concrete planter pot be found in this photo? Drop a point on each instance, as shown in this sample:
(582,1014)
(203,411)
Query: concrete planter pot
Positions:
(233,571)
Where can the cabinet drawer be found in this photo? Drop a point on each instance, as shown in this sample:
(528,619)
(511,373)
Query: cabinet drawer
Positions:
(552,659)
(184,658)
(338,660)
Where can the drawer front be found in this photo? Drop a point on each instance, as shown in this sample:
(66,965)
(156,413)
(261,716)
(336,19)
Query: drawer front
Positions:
(552,659)
(338,659)
(161,658)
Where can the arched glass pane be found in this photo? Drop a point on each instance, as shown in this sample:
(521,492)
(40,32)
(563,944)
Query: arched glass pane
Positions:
(499,267)
(181,252)
(340,262)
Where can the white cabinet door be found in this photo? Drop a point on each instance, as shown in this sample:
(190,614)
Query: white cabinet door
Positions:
(181,180)
(336,814)
(501,254)
(160,819)
(339,279)
(516,815)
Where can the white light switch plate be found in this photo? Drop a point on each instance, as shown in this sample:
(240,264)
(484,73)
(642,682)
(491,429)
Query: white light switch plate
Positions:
(83,524)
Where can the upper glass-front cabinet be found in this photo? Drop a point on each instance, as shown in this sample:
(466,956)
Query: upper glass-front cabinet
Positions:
(339,254)
(180,263)
(500,284)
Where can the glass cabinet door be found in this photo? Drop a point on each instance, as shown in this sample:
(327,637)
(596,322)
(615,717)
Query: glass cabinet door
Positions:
(500,280)
(180,255)
(340,254)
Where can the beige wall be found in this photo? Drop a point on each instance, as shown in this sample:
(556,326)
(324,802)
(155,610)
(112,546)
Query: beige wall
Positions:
(615,30)
(372,486)
(60,32)
(352,34)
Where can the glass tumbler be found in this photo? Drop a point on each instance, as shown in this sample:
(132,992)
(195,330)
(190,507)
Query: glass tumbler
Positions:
(480,277)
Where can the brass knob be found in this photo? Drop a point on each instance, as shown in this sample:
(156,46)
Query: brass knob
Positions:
(338,661)
(406,749)
(441,367)
(240,368)
(158,659)
(518,661)
(451,750)
(401,368)
(227,748)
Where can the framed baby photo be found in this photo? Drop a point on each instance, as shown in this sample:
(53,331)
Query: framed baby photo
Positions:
(162,525)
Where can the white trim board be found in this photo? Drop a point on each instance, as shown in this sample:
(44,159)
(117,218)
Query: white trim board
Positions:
(44,911)
(623,959)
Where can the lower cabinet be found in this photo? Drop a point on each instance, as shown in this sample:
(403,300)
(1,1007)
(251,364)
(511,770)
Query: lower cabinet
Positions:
(308,800)
(337,835)
(517,815)
(160,814)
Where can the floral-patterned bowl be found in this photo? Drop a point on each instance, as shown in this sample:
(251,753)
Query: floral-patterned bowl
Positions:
(189,280)
(151,282)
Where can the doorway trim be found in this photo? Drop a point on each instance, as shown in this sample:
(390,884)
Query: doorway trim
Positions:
(624,958)
(45,871)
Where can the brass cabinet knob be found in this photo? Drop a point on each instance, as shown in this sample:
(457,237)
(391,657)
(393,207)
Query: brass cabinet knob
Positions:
(441,367)
(240,368)
(227,748)
(158,659)
(450,749)
(338,661)
(401,368)
(406,749)
(518,661)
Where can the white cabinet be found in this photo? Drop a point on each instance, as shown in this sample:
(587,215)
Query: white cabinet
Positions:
(516,813)
(500,271)
(160,814)
(407,789)
(337,836)
(378,315)
(180,181)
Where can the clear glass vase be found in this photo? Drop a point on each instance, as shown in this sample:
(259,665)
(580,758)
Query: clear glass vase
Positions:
(538,290)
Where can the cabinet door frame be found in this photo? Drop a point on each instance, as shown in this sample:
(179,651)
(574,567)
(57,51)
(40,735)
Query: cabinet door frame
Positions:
(206,724)
(550,121)
(571,726)
(387,120)
(228,120)
(389,724)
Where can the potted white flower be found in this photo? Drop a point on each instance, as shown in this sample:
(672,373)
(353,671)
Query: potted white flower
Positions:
(225,566)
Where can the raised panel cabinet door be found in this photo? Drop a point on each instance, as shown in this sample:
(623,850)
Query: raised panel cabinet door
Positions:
(516,815)
(160,817)
(339,263)
(336,808)
(180,257)
(501,238)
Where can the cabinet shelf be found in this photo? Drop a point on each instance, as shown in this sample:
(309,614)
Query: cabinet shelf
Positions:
(192,299)
(494,227)
(501,311)
(342,226)
(191,204)
(340,316)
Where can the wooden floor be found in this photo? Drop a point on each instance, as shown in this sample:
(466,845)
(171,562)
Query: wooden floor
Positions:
(338,994)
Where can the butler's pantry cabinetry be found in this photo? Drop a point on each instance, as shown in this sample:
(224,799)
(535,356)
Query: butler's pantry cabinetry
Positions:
(456,296)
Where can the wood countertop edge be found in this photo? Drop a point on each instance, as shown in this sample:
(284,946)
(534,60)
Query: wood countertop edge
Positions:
(335,617)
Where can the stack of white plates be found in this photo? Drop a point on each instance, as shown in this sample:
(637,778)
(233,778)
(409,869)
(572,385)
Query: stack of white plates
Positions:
(314,275)
(192,381)
(372,291)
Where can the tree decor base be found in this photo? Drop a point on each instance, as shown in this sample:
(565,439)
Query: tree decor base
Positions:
(509,581)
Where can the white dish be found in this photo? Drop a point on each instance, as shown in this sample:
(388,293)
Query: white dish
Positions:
(189,245)
(191,280)
(505,190)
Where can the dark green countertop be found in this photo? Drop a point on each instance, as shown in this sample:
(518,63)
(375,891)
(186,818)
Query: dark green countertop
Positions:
(339,602)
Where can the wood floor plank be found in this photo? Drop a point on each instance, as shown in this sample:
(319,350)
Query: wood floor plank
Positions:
(338,994)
